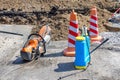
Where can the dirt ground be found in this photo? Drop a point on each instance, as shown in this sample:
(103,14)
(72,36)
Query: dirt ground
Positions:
(58,22)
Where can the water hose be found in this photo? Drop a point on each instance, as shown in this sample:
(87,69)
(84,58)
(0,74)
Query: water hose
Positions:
(99,45)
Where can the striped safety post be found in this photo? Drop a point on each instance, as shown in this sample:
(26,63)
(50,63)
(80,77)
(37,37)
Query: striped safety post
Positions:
(94,33)
(73,33)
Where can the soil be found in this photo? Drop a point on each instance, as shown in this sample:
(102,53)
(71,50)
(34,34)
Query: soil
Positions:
(35,12)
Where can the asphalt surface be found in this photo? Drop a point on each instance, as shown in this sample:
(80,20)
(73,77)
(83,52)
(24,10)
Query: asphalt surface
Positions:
(54,66)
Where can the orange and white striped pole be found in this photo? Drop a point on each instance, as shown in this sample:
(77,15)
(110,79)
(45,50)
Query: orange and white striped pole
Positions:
(94,33)
(73,33)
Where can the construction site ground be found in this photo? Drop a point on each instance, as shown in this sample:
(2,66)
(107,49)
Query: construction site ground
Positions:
(54,66)
(19,18)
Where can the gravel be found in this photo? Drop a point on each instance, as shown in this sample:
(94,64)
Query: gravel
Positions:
(114,37)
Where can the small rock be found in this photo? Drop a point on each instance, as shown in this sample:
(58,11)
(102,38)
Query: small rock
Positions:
(19,9)
(5,19)
(14,42)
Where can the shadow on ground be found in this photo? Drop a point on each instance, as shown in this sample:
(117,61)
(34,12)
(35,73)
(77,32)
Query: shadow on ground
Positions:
(62,67)
(58,54)
(19,60)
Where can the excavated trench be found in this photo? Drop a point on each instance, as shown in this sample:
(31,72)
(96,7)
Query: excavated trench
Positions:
(57,18)
(54,11)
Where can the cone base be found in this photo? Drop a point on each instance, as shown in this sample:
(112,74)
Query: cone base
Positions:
(69,52)
(96,39)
